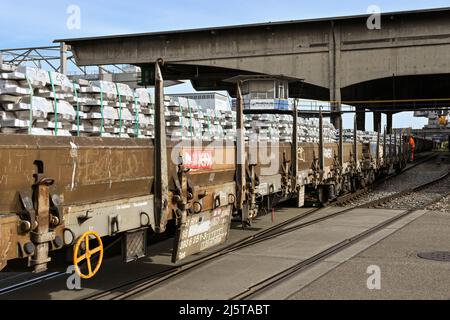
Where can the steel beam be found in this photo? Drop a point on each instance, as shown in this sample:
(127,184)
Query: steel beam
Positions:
(355,141)
(334,57)
(341,143)
(63,58)
(240,155)
(294,149)
(384,147)
(378,143)
(395,145)
(321,143)
(389,122)
(161,171)
(377,121)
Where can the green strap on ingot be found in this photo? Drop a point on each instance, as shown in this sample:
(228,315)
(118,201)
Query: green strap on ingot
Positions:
(102,125)
(209,124)
(190,120)
(181,117)
(218,120)
(136,114)
(55,102)
(120,112)
(30,124)
(78,109)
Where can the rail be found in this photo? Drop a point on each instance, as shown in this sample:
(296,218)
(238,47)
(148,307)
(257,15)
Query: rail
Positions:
(299,267)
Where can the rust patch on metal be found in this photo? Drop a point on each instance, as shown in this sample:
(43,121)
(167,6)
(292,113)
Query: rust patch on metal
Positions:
(8,239)
(86,170)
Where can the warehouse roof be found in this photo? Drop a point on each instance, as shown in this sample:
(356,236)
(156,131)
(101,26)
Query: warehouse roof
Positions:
(266,24)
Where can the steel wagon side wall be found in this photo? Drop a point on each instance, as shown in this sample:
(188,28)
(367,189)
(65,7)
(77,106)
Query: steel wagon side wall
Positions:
(85,169)
(92,170)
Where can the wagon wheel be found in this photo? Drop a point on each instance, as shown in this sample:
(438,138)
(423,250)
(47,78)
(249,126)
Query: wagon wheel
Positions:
(83,253)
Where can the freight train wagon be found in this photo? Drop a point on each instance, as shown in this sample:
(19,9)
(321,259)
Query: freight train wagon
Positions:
(56,192)
(69,193)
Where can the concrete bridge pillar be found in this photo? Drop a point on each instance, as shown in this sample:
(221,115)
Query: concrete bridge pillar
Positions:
(376,121)
(361,120)
(389,122)
(334,58)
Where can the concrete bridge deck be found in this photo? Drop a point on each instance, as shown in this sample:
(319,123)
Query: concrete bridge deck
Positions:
(340,58)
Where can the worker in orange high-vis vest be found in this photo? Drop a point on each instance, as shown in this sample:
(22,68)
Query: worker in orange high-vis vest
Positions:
(412,143)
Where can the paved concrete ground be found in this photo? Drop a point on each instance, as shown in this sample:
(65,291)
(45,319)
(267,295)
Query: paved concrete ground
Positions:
(114,272)
(403,274)
(234,273)
(342,276)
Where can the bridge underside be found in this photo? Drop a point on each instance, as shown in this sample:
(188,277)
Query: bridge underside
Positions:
(396,94)
(387,95)
(384,94)
(340,59)
(204,78)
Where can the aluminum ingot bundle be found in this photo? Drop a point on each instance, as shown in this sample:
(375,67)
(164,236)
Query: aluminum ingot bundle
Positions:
(38,94)
(183,119)
(38,102)
(363,136)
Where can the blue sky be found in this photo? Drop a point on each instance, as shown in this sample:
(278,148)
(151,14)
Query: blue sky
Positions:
(38,23)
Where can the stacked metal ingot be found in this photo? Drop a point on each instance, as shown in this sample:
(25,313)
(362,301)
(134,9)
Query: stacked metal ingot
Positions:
(309,131)
(38,102)
(279,128)
(187,120)
(228,123)
(176,123)
(78,100)
(58,90)
(194,116)
(212,125)
(106,108)
(363,136)
(285,127)
(183,121)
(144,124)
(262,128)
(96,108)
(11,94)
(34,101)
(124,124)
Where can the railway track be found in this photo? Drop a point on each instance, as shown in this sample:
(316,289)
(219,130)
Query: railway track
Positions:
(348,199)
(30,282)
(297,268)
(146,283)
(136,286)
(133,288)
(438,188)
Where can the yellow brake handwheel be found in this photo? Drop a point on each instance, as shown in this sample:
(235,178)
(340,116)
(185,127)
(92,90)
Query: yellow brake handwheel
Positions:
(88,254)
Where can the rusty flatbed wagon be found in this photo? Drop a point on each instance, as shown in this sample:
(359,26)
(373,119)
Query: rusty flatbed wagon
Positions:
(60,193)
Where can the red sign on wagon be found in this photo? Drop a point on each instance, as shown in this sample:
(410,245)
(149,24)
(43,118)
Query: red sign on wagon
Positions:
(198,160)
